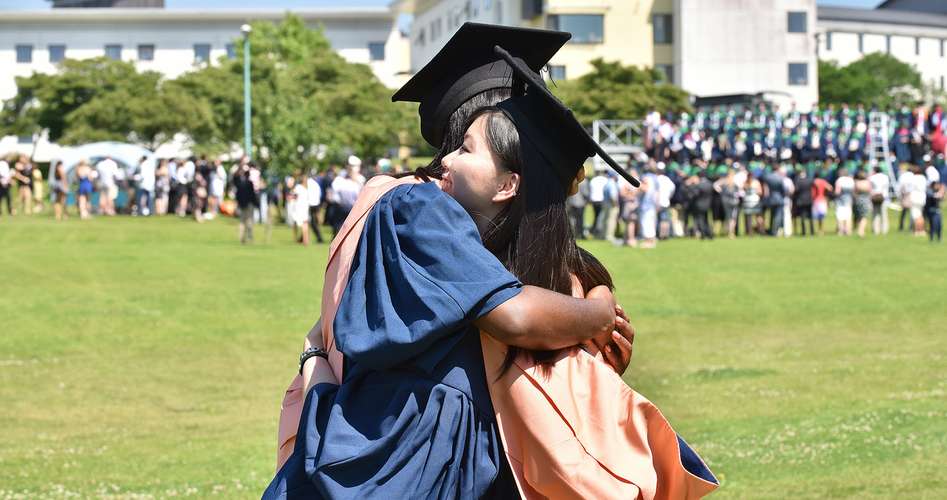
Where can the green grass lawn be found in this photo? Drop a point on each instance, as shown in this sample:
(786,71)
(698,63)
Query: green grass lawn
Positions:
(147,357)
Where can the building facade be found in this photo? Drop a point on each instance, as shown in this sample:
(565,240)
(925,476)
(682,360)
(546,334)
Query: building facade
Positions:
(176,40)
(708,47)
(724,47)
(917,37)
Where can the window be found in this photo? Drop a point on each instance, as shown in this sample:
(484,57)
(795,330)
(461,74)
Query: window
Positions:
(24,139)
(942,83)
(24,53)
(828,40)
(917,45)
(201,52)
(861,43)
(887,44)
(113,52)
(231,51)
(798,74)
(376,51)
(661,25)
(531,8)
(557,72)
(797,22)
(585,28)
(57,53)
(942,43)
(667,71)
(421,39)
(146,52)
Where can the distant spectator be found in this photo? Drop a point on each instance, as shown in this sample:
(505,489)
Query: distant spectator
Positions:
(935,197)
(880,185)
(576,206)
(83,194)
(6,180)
(23,173)
(60,190)
(597,200)
(107,170)
(145,178)
(730,201)
(346,190)
(314,195)
(752,206)
(802,202)
(820,201)
(863,206)
(162,188)
(246,202)
(844,199)
(918,199)
(39,193)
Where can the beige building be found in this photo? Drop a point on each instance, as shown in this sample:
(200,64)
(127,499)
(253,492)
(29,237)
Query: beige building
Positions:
(610,29)
(708,47)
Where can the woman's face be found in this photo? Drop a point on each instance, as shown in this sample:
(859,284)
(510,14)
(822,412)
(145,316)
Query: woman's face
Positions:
(474,177)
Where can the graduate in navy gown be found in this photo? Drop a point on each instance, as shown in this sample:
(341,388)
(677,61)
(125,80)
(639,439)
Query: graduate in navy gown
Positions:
(412,416)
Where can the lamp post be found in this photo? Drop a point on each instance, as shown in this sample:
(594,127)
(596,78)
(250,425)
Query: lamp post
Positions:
(247,144)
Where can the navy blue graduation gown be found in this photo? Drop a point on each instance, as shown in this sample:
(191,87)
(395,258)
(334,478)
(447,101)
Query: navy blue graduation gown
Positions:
(412,417)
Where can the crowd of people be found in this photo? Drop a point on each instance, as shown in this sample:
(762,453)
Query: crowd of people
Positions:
(192,187)
(725,172)
(762,171)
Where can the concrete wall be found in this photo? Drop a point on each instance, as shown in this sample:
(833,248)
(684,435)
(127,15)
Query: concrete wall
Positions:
(435,22)
(738,46)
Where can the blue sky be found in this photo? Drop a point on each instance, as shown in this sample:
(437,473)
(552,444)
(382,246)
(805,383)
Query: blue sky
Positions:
(290,4)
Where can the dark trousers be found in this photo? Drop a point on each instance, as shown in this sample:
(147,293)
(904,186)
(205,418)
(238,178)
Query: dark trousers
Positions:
(314,222)
(905,214)
(5,195)
(596,209)
(803,214)
(703,225)
(341,213)
(936,224)
(577,220)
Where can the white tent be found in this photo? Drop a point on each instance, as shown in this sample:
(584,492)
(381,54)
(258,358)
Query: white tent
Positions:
(126,155)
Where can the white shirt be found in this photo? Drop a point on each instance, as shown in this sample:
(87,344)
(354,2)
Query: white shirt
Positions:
(919,192)
(906,185)
(300,206)
(5,174)
(346,190)
(932,174)
(315,192)
(107,169)
(597,188)
(665,191)
(146,172)
(185,174)
(879,184)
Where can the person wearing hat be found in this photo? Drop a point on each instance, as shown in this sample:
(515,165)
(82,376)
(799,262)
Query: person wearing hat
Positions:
(408,276)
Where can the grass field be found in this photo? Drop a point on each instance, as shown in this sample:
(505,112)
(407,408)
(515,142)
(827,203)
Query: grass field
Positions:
(147,357)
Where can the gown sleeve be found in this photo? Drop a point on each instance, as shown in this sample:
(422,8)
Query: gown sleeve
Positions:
(419,276)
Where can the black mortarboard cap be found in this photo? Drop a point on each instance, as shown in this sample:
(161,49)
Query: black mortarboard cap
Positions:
(551,126)
(467,65)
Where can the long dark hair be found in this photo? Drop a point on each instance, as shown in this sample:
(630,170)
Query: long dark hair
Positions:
(532,236)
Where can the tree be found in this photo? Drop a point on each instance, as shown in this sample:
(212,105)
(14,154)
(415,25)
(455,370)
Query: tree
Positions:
(877,78)
(310,105)
(99,99)
(613,91)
